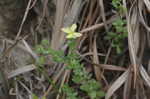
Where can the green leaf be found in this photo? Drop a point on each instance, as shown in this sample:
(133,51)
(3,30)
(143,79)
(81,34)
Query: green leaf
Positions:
(43,97)
(40,49)
(45,42)
(112,35)
(34,96)
(100,93)
(41,61)
(70,92)
(93,95)
(118,49)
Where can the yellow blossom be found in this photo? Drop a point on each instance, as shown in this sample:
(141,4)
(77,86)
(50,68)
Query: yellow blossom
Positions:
(70,31)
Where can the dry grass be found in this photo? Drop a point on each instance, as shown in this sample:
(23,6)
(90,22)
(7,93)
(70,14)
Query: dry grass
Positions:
(124,76)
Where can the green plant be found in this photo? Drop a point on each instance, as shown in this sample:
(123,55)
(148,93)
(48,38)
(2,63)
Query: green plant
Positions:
(41,61)
(43,50)
(70,92)
(36,97)
(118,35)
(117,4)
(80,76)
(119,31)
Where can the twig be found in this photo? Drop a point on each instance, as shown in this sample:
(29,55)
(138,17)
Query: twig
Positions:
(97,26)
(24,18)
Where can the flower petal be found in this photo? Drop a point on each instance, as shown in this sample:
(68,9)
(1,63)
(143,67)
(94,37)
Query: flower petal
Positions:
(73,27)
(74,35)
(77,34)
(70,36)
(66,30)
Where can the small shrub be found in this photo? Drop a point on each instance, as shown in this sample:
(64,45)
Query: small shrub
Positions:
(119,31)
(79,76)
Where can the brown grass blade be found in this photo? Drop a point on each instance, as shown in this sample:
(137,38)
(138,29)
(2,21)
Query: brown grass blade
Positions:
(24,18)
(117,84)
(21,70)
(112,67)
(58,36)
(97,70)
(147,3)
(131,20)
(127,87)
(145,75)
(101,3)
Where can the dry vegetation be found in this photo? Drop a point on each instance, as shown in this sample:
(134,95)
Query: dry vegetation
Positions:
(119,63)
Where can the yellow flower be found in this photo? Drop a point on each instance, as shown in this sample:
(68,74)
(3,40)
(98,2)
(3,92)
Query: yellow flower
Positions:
(70,31)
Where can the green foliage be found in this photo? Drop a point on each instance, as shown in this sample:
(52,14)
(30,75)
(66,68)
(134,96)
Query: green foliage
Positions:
(70,92)
(80,76)
(117,4)
(119,25)
(36,97)
(118,35)
(92,88)
(43,51)
(119,31)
